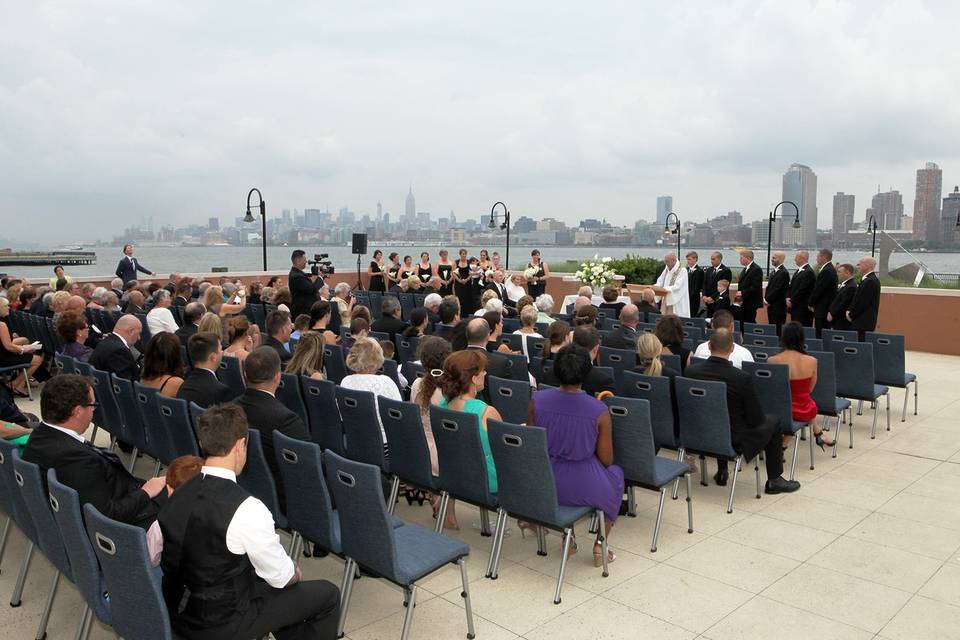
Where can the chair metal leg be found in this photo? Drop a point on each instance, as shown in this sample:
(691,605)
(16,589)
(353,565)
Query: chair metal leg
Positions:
(442,511)
(541,541)
(156,469)
(906,397)
(916,384)
(860,408)
(86,622)
(676,485)
(796,448)
(756,471)
(345,592)
(836,440)
(810,437)
(632,502)
(689,505)
(21,577)
(567,537)
(485,523)
(873,429)
(850,424)
(394,492)
(26,378)
(408,617)
(465,594)
(888,408)
(733,485)
(603,543)
(703,471)
(497,551)
(656,526)
(498,532)
(3,537)
(133,459)
(594,523)
(45,617)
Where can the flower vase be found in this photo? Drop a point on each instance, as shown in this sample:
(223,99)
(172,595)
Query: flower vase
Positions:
(597,291)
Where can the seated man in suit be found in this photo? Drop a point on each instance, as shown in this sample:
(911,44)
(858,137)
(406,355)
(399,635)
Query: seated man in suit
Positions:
(201,384)
(264,412)
(390,322)
(225,574)
(626,336)
(279,327)
(432,304)
(134,302)
(191,321)
(449,315)
(751,430)
(837,315)
(723,319)
(184,291)
(113,354)
(596,381)
(98,476)
(647,302)
(478,335)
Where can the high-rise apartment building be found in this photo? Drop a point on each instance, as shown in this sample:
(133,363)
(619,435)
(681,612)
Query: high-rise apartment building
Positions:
(949,216)
(664,207)
(843,209)
(800,187)
(887,209)
(926,205)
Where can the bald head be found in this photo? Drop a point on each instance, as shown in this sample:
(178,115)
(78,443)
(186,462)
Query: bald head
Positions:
(478,330)
(648,296)
(581,301)
(670,259)
(630,315)
(128,327)
(801,258)
(777,258)
(867,264)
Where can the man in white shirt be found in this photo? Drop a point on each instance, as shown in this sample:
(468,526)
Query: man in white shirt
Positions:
(673,278)
(218,540)
(723,319)
(160,318)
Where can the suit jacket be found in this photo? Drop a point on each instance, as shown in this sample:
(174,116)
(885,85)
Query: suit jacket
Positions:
(97,476)
(303,291)
(721,301)
(750,287)
(114,356)
(500,290)
(695,282)
(841,302)
(267,414)
(749,429)
(713,275)
(866,304)
(127,269)
(623,338)
(390,325)
(800,289)
(186,331)
(277,346)
(824,289)
(646,307)
(204,388)
(180,301)
(595,382)
(776,294)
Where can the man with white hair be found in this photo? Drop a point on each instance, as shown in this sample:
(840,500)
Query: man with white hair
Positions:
(117,286)
(341,295)
(432,304)
(582,301)
(865,307)
(585,292)
(673,279)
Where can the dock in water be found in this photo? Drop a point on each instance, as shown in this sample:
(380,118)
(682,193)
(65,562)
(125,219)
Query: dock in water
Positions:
(39,258)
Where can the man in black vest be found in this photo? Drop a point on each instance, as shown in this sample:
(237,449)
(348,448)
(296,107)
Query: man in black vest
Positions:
(824,289)
(800,289)
(304,287)
(775,296)
(749,287)
(225,574)
(695,277)
(865,306)
(837,315)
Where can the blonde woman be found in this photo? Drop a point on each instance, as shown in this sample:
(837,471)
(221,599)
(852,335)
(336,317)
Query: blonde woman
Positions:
(213,323)
(307,358)
(365,359)
(242,337)
(649,349)
(213,301)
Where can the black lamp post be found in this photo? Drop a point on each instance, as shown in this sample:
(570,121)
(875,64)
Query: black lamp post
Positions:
(770,220)
(872,228)
(503,225)
(675,229)
(263,219)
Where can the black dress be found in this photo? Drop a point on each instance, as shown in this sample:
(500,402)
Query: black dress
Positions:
(405,272)
(425,273)
(537,289)
(466,293)
(444,271)
(393,272)
(376,278)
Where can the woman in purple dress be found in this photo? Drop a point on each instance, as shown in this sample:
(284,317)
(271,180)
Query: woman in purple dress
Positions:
(580,441)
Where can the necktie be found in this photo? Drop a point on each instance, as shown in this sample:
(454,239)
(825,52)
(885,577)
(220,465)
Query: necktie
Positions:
(109,456)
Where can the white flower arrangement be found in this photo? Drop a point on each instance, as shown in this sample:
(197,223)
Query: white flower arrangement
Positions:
(530,272)
(596,272)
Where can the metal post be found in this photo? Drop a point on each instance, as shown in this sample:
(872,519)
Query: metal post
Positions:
(772,219)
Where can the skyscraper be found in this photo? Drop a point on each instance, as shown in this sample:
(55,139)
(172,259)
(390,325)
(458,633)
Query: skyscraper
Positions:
(926,205)
(949,216)
(410,211)
(887,209)
(379,211)
(664,207)
(843,208)
(800,187)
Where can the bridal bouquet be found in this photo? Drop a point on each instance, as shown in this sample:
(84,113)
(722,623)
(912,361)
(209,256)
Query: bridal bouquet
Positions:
(530,272)
(595,273)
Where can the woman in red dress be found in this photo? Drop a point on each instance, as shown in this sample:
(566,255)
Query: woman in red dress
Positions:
(803,378)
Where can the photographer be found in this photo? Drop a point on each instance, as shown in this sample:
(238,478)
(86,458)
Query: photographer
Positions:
(304,286)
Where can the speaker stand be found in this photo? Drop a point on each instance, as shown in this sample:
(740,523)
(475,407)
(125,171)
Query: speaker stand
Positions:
(359,286)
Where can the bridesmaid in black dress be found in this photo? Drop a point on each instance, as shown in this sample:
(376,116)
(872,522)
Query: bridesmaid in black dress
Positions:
(425,269)
(393,270)
(445,273)
(463,286)
(375,271)
(407,269)
(537,285)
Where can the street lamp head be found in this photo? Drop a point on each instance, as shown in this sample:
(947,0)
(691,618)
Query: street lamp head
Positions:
(493,223)
(249,216)
(796,224)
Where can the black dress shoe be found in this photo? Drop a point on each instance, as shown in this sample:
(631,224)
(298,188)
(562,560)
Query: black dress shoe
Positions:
(781,485)
(720,477)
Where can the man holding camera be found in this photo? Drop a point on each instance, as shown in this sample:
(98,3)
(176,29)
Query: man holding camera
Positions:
(304,286)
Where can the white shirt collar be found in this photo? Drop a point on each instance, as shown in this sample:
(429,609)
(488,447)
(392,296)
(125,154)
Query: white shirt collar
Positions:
(695,266)
(122,340)
(749,265)
(850,279)
(219,472)
(70,432)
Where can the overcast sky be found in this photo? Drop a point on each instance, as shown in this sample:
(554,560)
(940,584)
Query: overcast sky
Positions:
(113,110)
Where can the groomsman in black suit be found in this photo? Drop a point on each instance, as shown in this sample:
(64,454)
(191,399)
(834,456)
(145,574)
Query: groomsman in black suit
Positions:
(778,285)
(721,300)
(837,315)
(800,289)
(865,306)
(749,287)
(695,277)
(716,272)
(824,289)
(128,266)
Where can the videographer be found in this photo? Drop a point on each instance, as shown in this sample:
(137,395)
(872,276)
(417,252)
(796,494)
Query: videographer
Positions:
(304,286)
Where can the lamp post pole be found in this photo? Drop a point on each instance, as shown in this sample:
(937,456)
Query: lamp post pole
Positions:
(872,228)
(770,221)
(504,225)
(675,229)
(263,220)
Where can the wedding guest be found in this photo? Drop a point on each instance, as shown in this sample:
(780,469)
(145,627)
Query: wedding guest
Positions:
(775,296)
(611,295)
(803,378)
(670,333)
(163,367)
(558,334)
(307,358)
(279,327)
(749,287)
(544,304)
(540,273)
(647,302)
(212,323)
(801,286)
(528,328)
(365,360)
(242,338)
(320,317)
(695,277)
(724,320)
(625,336)
(824,290)
(418,324)
(160,318)
(73,328)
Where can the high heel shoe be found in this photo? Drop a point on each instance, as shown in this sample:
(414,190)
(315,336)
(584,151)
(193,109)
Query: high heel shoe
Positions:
(821,442)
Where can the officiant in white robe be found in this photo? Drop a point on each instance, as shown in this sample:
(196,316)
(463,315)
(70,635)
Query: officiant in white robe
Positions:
(673,279)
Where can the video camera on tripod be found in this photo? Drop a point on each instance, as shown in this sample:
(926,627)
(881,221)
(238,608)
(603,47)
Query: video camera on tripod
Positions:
(321,265)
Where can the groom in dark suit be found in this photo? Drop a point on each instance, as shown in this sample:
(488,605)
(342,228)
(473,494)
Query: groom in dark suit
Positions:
(749,287)
(837,315)
(128,266)
(98,476)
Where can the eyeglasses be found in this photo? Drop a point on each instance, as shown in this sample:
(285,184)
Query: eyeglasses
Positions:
(92,405)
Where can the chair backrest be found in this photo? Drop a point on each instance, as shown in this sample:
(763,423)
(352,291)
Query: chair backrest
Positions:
(524,474)
(409,453)
(534,345)
(512,340)
(406,305)
(179,436)
(700,323)
(137,607)
(755,329)
(634,450)
(320,397)
(772,384)
(889,359)
(289,394)
(15,505)
(230,373)
(760,353)
(516,364)
(361,426)
(65,506)
(672,360)
(149,410)
(693,333)
(112,420)
(406,349)
(839,335)
(376,304)
(258,479)
(65,363)
(825,393)
(460,454)
(809,332)
(657,391)
(704,418)
(259,317)
(411,371)
(333,363)
(29,481)
(366,529)
(760,340)
(619,359)
(813,344)
(309,509)
(536,365)
(135,431)
(510,325)
(378,335)
(390,369)
(510,397)
(854,367)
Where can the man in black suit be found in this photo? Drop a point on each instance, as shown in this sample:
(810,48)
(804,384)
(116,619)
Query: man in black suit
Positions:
(626,336)
(478,335)
(597,381)
(837,315)
(495,284)
(865,306)
(432,304)
(191,321)
(775,296)
(184,291)
(304,286)
(716,272)
(279,327)
(448,313)
(647,302)
(128,266)
(824,289)
(721,300)
(389,321)
(695,278)
(749,287)
(801,286)
(98,476)
(264,412)
(201,384)
(751,431)
(113,353)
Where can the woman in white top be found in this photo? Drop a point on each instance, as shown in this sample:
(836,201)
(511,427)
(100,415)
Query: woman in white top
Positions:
(160,318)
(544,305)
(515,288)
(528,327)
(364,359)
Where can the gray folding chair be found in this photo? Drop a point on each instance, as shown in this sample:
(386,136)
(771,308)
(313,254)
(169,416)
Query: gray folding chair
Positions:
(257,478)
(829,405)
(178,436)
(361,427)
(334,364)
(230,373)
(672,360)
(135,431)
(510,397)
(619,359)
(889,360)
(288,393)
(20,514)
(409,453)
(761,340)
(149,410)
(855,377)
(320,397)
(755,329)
(760,353)
(772,383)
(406,349)
(839,335)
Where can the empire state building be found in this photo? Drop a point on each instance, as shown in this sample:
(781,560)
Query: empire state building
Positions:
(410,210)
